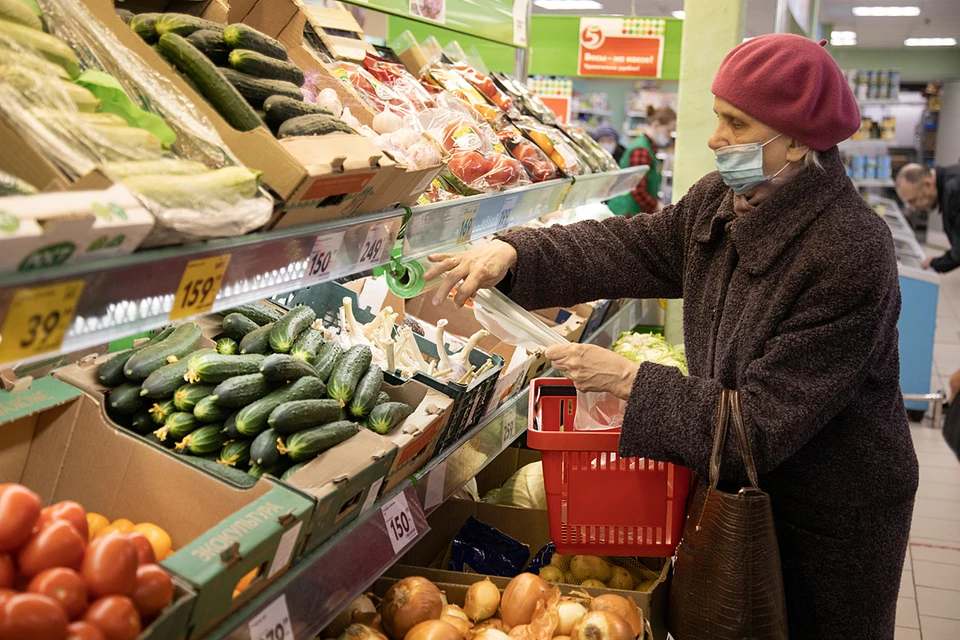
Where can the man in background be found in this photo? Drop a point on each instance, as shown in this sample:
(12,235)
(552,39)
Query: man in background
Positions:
(932,189)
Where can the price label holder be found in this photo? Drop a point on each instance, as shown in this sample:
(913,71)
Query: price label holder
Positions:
(508,428)
(401,527)
(436,482)
(273,623)
(467,219)
(199,286)
(38,319)
(323,258)
(374,244)
(509,205)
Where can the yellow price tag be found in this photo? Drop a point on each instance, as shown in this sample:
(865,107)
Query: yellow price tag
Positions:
(38,319)
(199,286)
(467,220)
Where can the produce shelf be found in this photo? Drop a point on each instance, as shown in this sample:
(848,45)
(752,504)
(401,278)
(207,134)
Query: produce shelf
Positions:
(873,182)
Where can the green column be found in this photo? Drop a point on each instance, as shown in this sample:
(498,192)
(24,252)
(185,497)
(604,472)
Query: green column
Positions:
(711,29)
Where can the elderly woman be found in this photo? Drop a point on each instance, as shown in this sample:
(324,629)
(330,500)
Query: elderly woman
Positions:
(790,293)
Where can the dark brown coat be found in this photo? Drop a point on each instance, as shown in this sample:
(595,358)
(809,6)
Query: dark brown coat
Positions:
(795,304)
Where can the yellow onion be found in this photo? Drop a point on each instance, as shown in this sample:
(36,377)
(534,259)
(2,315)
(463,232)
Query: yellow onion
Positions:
(519,632)
(408,603)
(561,637)
(520,598)
(361,632)
(454,611)
(372,620)
(362,604)
(493,624)
(461,624)
(482,600)
(626,608)
(433,630)
(601,625)
(489,633)
(570,612)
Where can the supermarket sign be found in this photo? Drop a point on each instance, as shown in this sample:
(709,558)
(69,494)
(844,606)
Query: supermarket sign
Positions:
(621,47)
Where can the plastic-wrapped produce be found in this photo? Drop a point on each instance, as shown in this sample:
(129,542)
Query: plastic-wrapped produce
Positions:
(604,160)
(445,77)
(538,166)
(555,145)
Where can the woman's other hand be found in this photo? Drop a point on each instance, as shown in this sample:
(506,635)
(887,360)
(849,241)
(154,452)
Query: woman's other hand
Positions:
(479,268)
(594,368)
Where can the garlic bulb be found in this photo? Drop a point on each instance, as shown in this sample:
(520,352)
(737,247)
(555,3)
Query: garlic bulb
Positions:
(387,122)
(328,98)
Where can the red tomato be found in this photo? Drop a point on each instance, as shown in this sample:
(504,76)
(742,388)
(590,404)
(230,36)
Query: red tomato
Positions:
(145,553)
(110,566)
(525,150)
(6,594)
(67,510)
(63,585)
(57,545)
(81,630)
(154,590)
(30,616)
(19,512)
(538,169)
(116,617)
(469,165)
(8,571)
(505,172)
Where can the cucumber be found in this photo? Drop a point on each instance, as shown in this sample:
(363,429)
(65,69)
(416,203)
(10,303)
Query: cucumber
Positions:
(165,381)
(229,474)
(264,451)
(256,90)
(292,470)
(382,397)
(227,347)
(207,410)
(145,26)
(298,415)
(260,312)
(125,15)
(239,391)
(201,441)
(279,109)
(16,11)
(142,423)
(327,358)
(235,454)
(215,367)
(187,396)
(125,400)
(365,396)
(237,325)
(229,185)
(154,439)
(210,43)
(240,36)
(111,372)
(252,419)
(189,61)
(257,341)
(177,426)
(306,345)
(308,444)
(183,25)
(230,428)
(256,64)
(286,330)
(347,373)
(51,48)
(178,344)
(312,125)
(386,416)
(160,411)
(280,367)
(275,470)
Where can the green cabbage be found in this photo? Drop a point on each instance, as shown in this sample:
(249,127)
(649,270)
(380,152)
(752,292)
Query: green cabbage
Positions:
(650,347)
(524,488)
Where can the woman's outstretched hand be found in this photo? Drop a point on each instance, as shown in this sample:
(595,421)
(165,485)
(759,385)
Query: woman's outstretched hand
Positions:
(479,268)
(594,368)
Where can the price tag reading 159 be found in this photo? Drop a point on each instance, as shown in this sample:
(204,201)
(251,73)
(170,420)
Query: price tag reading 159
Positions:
(199,286)
(401,528)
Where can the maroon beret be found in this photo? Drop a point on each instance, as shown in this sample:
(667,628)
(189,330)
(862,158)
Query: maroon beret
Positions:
(792,84)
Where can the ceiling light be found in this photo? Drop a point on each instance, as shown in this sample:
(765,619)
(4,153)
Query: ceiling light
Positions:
(930,42)
(886,12)
(843,38)
(679,15)
(568,5)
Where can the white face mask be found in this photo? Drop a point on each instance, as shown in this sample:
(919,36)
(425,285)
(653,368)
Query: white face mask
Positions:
(741,165)
(661,139)
(609,146)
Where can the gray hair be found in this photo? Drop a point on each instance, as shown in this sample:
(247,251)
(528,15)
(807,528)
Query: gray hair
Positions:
(812,159)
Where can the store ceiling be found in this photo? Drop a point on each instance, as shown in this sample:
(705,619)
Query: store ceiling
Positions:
(938,18)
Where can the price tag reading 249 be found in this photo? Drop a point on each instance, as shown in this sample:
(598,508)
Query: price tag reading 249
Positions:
(199,286)
(371,251)
(401,528)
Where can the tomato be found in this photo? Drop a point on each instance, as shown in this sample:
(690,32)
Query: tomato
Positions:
(525,150)
(116,617)
(505,172)
(67,510)
(81,630)
(57,545)
(19,512)
(110,566)
(31,616)
(8,571)
(6,594)
(63,585)
(469,166)
(123,525)
(159,538)
(96,523)
(538,169)
(145,553)
(154,590)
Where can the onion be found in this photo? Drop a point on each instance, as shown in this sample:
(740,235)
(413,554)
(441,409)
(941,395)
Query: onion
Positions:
(493,624)
(362,604)
(561,637)
(490,633)
(519,632)
(461,624)
(408,603)
(601,625)
(454,611)
(361,632)
(433,630)
(570,612)
(372,620)
(520,598)
(482,600)
(626,608)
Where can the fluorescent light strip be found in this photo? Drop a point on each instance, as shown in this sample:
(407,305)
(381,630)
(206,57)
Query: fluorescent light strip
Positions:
(568,5)
(843,38)
(886,12)
(679,15)
(930,42)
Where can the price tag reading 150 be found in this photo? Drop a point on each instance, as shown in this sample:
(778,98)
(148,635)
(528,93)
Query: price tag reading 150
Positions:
(401,528)
(199,286)
(38,319)
(323,258)
(371,251)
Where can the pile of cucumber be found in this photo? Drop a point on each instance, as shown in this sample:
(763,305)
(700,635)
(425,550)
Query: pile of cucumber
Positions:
(272,396)
(244,74)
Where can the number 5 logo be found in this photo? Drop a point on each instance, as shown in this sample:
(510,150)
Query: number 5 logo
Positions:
(591,37)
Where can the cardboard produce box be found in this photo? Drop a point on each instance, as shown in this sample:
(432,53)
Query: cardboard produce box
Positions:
(57,441)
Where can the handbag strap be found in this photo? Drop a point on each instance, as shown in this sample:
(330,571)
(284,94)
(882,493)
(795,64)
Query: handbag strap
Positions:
(729,405)
(740,429)
(719,436)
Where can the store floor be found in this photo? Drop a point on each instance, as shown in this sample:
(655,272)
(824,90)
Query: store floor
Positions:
(929,604)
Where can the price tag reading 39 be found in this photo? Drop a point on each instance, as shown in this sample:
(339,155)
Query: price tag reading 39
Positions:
(322,259)
(371,251)
(273,623)
(468,218)
(509,205)
(38,319)
(199,286)
(401,528)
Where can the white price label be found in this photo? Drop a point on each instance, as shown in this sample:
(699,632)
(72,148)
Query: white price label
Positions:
(372,496)
(509,204)
(508,427)
(273,623)
(520,22)
(323,257)
(436,482)
(467,220)
(281,559)
(401,529)
(371,251)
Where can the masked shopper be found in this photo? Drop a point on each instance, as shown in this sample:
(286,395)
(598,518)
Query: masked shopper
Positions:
(608,138)
(657,135)
(791,296)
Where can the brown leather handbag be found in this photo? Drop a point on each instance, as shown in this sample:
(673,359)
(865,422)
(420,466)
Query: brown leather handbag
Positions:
(727,581)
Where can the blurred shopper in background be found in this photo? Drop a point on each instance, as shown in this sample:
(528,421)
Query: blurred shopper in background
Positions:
(608,138)
(932,189)
(657,135)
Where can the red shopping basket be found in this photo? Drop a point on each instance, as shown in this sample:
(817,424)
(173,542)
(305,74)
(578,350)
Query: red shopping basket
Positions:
(599,503)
